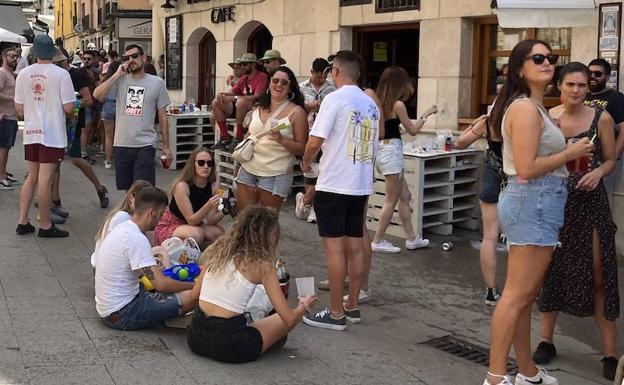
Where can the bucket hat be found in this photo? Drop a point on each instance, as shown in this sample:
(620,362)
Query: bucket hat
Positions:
(273,54)
(43,47)
(236,61)
(248,58)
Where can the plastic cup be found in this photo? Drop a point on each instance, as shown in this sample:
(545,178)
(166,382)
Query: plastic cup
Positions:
(305,286)
(581,165)
(313,173)
(204,108)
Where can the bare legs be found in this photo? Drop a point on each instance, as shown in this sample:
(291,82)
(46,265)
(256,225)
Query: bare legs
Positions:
(487,253)
(202,234)
(4,156)
(109,135)
(43,174)
(337,251)
(393,191)
(249,196)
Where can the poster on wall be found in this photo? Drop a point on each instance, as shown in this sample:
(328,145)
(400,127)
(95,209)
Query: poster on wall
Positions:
(609,28)
(173,52)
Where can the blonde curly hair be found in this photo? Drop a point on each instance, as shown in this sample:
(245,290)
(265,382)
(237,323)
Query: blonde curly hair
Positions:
(252,238)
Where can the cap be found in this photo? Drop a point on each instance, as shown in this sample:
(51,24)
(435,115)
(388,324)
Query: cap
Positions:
(76,61)
(248,58)
(59,56)
(236,61)
(91,45)
(272,54)
(43,47)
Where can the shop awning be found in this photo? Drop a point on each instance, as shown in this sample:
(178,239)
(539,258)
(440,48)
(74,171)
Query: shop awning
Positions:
(545,13)
(12,18)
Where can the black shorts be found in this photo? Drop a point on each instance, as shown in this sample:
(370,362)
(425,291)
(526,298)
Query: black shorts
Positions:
(8,132)
(490,183)
(339,215)
(132,164)
(224,339)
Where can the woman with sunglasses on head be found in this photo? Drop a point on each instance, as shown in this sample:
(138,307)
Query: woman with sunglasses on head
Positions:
(193,211)
(530,207)
(582,277)
(280,122)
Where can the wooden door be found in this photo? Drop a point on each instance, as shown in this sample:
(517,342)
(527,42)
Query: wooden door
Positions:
(207,69)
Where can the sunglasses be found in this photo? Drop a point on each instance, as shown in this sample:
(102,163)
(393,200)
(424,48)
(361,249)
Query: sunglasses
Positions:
(539,58)
(283,82)
(597,74)
(132,56)
(205,163)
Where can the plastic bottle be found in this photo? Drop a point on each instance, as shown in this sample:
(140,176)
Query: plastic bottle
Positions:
(283,276)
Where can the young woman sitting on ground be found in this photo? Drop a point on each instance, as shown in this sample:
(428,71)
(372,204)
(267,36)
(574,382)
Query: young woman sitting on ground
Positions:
(238,261)
(193,211)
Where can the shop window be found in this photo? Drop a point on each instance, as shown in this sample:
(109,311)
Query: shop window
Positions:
(345,3)
(495,45)
(396,5)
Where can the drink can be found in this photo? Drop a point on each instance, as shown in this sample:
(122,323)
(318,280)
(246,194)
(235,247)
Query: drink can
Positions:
(446,246)
(164,161)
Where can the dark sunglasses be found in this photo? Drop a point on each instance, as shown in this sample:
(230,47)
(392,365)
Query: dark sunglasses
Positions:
(283,82)
(597,74)
(205,163)
(539,58)
(132,56)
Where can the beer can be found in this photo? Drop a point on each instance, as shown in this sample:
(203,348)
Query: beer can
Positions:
(164,161)
(446,246)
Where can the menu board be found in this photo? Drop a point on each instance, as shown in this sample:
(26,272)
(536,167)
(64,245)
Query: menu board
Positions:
(173,55)
(609,32)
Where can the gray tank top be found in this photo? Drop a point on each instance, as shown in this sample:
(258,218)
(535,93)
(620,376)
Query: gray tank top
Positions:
(552,142)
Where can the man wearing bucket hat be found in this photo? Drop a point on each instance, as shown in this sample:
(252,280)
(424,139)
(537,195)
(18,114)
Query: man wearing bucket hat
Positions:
(272,59)
(243,95)
(44,95)
(231,80)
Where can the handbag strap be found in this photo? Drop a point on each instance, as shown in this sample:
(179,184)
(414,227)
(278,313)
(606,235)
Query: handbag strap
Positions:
(277,111)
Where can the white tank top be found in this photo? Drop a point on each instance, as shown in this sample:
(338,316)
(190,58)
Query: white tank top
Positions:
(551,142)
(228,289)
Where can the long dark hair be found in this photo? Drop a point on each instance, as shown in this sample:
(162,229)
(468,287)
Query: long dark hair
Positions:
(265,100)
(514,85)
(112,68)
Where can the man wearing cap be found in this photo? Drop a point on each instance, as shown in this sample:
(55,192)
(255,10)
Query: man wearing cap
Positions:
(8,118)
(232,79)
(272,59)
(44,96)
(140,97)
(243,95)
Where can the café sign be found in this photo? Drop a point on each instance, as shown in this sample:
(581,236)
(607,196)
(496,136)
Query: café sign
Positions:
(135,28)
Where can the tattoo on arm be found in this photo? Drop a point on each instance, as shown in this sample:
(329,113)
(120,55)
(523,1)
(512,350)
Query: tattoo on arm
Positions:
(145,272)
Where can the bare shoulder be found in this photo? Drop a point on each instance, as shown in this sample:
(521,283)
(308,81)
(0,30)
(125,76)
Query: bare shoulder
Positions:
(556,111)
(606,118)
(181,186)
(523,108)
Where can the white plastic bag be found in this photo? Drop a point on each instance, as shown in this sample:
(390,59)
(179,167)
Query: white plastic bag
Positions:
(259,305)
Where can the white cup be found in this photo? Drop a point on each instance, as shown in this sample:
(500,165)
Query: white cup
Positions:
(305,286)
(313,173)
(204,108)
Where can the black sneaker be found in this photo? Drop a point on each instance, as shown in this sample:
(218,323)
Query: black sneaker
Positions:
(12,180)
(492,296)
(609,367)
(232,146)
(88,159)
(324,319)
(544,353)
(221,144)
(6,185)
(25,229)
(354,316)
(52,232)
(103,195)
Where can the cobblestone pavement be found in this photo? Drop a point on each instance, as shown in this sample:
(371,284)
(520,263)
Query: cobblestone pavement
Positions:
(50,332)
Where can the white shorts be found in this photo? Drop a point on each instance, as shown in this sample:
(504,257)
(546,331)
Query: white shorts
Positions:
(390,157)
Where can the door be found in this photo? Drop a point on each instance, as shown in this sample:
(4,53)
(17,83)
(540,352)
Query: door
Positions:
(207,69)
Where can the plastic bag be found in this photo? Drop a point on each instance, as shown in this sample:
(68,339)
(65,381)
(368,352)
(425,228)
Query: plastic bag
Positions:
(259,305)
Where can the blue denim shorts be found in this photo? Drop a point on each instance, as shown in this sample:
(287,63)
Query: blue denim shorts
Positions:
(530,212)
(490,183)
(145,310)
(390,157)
(109,109)
(277,185)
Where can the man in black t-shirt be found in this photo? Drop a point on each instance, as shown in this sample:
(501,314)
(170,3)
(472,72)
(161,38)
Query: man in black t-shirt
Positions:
(613,102)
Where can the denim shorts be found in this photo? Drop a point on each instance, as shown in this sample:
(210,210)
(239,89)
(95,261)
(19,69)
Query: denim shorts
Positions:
(490,183)
(145,310)
(390,157)
(109,109)
(8,133)
(531,212)
(90,114)
(277,185)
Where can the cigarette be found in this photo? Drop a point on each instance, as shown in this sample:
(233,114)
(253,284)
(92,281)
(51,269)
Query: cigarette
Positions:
(592,139)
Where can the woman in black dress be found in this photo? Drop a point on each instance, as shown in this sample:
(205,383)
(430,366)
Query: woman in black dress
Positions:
(582,277)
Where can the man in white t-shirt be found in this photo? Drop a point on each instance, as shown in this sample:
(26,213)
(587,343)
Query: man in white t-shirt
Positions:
(347,129)
(125,256)
(44,96)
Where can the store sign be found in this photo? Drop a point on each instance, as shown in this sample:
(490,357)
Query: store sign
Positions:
(223,14)
(134,28)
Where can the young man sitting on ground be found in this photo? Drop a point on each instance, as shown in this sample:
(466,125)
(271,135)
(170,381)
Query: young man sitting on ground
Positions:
(127,257)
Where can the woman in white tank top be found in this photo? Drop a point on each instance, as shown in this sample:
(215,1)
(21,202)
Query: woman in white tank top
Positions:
(234,265)
(531,205)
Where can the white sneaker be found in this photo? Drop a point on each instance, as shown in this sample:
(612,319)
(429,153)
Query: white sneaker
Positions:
(108,165)
(541,378)
(363,297)
(385,247)
(311,216)
(416,243)
(301,211)
(504,381)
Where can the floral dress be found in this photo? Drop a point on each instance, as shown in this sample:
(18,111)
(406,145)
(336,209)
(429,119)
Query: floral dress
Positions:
(569,282)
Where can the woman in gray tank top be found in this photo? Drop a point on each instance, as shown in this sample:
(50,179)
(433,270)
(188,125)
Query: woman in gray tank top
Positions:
(531,205)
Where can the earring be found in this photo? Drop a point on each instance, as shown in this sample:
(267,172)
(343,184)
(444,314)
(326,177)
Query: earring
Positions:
(268,91)
(291,95)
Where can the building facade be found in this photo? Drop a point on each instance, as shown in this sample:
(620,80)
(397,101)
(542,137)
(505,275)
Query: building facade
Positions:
(453,49)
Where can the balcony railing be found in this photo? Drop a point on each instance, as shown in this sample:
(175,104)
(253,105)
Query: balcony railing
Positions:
(345,3)
(396,5)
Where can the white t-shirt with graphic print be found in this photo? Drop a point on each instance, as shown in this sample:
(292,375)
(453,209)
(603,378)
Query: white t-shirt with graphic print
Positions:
(43,89)
(348,120)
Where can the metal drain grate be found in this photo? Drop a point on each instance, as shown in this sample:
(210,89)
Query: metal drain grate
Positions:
(466,350)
